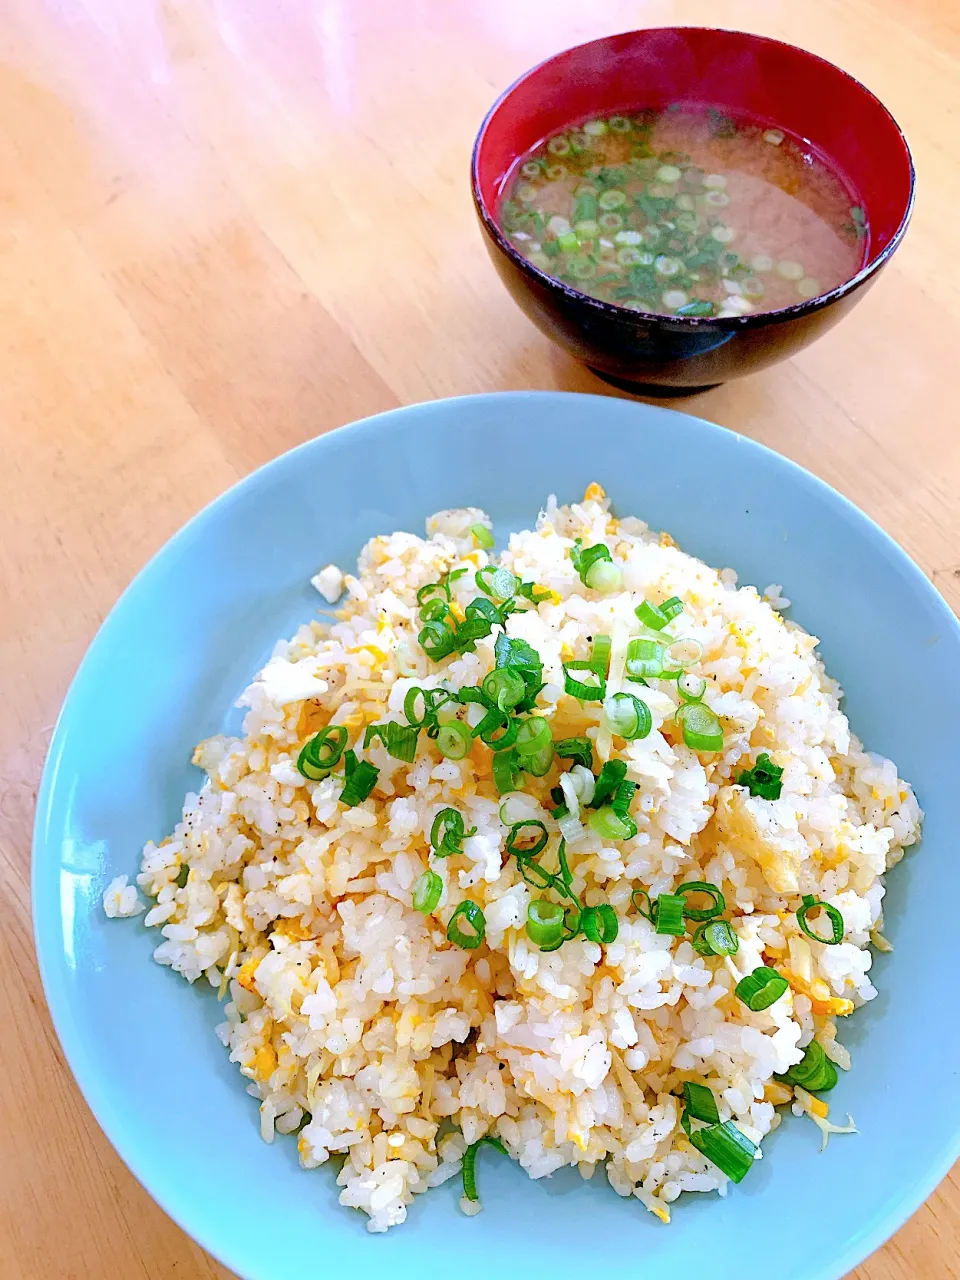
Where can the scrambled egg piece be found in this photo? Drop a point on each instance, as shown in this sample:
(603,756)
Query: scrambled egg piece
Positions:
(578,1137)
(777,850)
(819,1107)
(482,758)
(818,993)
(372,649)
(293,930)
(265,1062)
(313,718)
(245,974)
(776,1093)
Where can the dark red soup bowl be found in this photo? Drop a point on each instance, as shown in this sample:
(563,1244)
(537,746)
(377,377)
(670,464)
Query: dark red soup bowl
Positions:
(772,83)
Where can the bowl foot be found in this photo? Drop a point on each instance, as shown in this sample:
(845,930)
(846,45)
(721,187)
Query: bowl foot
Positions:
(650,388)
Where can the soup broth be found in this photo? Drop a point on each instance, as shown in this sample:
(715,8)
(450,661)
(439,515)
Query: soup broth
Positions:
(686,212)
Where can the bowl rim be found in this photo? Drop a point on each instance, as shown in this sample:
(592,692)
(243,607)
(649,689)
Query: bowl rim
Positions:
(46,907)
(627,315)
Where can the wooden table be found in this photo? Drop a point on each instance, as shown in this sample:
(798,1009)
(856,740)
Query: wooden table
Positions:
(228,225)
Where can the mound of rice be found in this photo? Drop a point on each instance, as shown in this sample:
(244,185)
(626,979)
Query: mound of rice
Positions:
(361,1028)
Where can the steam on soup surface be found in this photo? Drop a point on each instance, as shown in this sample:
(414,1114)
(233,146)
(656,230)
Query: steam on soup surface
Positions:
(685,212)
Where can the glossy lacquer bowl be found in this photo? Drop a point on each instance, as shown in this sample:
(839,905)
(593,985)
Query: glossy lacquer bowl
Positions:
(772,82)
(185,639)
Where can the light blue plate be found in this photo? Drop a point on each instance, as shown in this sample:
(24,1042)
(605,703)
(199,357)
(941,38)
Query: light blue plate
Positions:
(194,626)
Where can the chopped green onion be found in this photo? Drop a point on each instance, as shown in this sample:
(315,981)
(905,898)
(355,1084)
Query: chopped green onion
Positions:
(571,828)
(566,875)
(600,654)
(716,938)
(680,654)
(472,628)
(433,591)
(764,779)
(360,777)
(584,784)
(669,915)
(493,721)
(525,660)
(600,924)
(586,691)
(454,574)
(433,700)
(539,763)
(435,610)
(702,730)
(612,826)
(580,750)
(516,834)
(437,640)
(627,716)
(655,616)
(644,659)
(585,208)
(623,798)
(699,306)
(426,892)
(535,875)
(483,536)
(183,875)
(571,922)
(504,687)
(725,1146)
(544,922)
(699,942)
(536,595)
(454,740)
(469,1166)
(506,766)
(532,736)
(611,775)
(481,607)
(474,918)
(762,988)
(584,558)
(472,695)
(691,687)
(604,577)
(499,583)
(517,653)
(700,1103)
(322,753)
(400,740)
(718,902)
(810,903)
(814,1072)
(641,900)
(448,833)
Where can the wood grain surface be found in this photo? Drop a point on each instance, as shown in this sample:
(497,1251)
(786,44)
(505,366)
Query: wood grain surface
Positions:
(228,225)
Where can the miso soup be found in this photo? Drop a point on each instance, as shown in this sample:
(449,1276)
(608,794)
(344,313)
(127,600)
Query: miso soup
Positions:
(686,211)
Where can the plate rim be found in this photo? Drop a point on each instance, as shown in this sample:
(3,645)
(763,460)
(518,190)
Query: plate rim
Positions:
(45,912)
